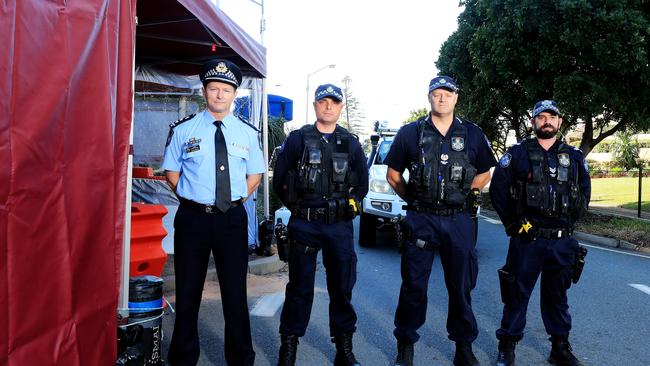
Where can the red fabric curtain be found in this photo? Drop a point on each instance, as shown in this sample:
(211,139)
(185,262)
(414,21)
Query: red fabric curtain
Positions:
(66,71)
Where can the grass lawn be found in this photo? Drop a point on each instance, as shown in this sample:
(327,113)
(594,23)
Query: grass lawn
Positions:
(631,230)
(620,192)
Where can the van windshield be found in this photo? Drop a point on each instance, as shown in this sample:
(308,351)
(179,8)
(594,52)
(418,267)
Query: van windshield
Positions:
(382,151)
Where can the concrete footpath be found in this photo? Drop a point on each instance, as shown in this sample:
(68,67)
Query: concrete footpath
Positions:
(256,266)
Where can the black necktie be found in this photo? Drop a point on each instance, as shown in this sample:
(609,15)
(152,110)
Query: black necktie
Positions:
(222,189)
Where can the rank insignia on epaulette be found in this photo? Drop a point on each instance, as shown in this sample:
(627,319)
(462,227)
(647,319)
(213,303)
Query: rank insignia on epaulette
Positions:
(173,125)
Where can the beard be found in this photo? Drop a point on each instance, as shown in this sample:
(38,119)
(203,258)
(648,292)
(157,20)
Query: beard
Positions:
(544,134)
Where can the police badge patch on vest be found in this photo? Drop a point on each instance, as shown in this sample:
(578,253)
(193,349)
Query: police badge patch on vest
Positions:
(504,162)
(457,143)
(564,160)
(192,145)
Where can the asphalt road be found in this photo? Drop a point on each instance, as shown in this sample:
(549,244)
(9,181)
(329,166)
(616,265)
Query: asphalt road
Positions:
(611,321)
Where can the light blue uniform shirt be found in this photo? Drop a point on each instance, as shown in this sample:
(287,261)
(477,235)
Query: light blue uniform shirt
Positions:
(191,152)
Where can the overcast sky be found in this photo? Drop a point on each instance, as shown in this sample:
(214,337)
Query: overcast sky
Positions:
(388,49)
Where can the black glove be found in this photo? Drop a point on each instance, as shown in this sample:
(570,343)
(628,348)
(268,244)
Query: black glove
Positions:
(525,229)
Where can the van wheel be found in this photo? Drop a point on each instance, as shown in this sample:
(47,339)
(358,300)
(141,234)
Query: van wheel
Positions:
(367,230)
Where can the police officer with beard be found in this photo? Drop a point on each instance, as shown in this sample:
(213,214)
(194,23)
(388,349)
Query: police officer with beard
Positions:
(321,176)
(449,161)
(540,188)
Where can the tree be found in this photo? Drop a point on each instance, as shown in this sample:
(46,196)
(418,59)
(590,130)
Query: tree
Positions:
(626,150)
(416,114)
(591,56)
(352,116)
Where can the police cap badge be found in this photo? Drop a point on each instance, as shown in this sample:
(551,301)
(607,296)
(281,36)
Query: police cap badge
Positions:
(328,90)
(444,82)
(221,70)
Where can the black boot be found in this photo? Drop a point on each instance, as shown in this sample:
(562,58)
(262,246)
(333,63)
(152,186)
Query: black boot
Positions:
(561,354)
(464,355)
(404,354)
(288,348)
(344,355)
(506,355)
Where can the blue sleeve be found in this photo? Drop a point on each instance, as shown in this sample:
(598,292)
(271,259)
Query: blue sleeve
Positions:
(255,163)
(484,155)
(397,156)
(172,160)
(360,167)
(287,159)
(502,180)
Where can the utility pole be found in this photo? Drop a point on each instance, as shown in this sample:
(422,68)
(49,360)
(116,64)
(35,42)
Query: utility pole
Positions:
(346,87)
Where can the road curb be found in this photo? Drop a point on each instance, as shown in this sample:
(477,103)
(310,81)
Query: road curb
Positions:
(259,266)
(596,239)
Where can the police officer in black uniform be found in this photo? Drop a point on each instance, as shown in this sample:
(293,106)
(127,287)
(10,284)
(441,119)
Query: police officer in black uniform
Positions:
(449,161)
(540,188)
(213,163)
(321,176)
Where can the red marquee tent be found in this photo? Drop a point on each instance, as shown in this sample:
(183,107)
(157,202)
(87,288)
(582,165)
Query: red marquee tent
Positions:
(66,78)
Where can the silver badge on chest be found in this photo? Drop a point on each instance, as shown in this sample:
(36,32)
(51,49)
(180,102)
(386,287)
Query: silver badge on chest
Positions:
(564,160)
(457,143)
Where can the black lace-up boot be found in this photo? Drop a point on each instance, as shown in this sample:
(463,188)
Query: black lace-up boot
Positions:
(506,355)
(344,355)
(288,348)
(561,354)
(404,354)
(464,355)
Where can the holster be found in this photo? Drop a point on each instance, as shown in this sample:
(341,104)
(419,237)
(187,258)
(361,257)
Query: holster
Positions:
(282,241)
(401,232)
(303,247)
(579,264)
(508,284)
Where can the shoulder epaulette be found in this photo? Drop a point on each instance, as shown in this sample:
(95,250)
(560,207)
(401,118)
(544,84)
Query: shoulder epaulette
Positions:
(182,120)
(173,125)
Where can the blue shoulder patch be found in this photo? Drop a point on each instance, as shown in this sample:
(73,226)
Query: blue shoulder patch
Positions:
(505,160)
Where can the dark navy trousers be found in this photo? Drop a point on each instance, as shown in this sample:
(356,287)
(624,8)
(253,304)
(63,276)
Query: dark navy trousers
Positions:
(340,261)
(454,237)
(196,234)
(526,260)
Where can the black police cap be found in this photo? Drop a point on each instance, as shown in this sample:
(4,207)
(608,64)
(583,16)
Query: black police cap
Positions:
(221,70)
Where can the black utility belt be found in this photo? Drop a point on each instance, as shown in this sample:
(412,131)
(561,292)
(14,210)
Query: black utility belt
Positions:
(439,211)
(317,214)
(554,233)
(211,209)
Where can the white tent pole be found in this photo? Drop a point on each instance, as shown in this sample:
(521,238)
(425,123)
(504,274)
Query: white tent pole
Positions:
(123,301)
(265,143)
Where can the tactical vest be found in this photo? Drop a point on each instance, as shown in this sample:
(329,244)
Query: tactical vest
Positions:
(439,180)
(324,171)
(546,195)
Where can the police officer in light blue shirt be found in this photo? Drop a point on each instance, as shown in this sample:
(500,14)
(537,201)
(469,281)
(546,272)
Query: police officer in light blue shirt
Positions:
(191,152)
(213,162)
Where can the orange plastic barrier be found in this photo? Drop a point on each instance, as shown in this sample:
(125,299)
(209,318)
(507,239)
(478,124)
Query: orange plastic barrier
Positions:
(145,172)
(147,233)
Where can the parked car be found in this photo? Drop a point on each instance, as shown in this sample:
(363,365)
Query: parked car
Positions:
(381,204)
